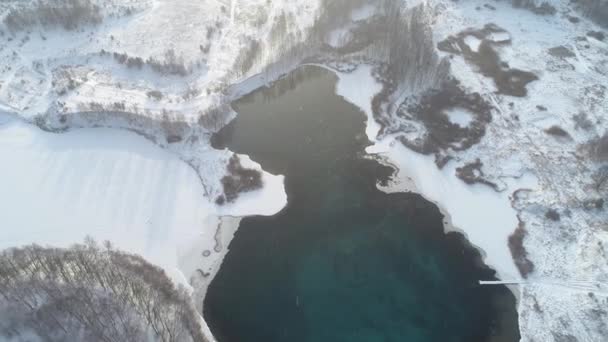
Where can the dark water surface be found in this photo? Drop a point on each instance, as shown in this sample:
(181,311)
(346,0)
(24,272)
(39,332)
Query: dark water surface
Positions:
(343,261)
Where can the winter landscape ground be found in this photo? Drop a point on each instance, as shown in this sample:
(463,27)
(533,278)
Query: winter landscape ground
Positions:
(496,111)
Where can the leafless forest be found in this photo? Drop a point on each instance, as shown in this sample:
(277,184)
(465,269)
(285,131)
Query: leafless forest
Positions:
(91,293)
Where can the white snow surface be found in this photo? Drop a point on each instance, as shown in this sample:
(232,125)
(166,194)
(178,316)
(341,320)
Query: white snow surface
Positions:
(460,116)
(359,87)
(473,42)
(113,185)
(483,215)
(553,306)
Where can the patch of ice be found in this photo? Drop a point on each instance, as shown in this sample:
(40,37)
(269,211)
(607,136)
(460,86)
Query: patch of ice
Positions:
(473,42)
(460,116)
(359,87)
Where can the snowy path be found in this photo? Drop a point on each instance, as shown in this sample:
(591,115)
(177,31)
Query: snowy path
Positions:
(232,10)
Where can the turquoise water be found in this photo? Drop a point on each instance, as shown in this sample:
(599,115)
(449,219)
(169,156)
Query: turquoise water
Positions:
(343,261)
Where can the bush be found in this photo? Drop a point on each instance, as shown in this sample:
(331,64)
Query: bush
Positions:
(600,148)
(130,62)
(582,121)
(557,131)
(518,251)
(155,94)
(239,180)
(68,14)
(171,65)
(596,10)
(543,9)
(597,35)
(552,215)
(215,118)
(93,294)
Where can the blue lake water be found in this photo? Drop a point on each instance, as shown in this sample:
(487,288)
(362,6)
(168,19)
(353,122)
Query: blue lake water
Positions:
(343,261)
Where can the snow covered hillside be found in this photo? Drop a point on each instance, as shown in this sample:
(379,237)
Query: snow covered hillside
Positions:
(494,110)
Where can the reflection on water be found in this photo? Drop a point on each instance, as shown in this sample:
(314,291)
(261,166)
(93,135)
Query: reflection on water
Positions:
(343,261)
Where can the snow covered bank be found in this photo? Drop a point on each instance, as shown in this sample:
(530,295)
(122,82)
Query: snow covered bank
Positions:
(267,201)
(110,184)
(358,88)
(114,185)
(561,214)
(485,216)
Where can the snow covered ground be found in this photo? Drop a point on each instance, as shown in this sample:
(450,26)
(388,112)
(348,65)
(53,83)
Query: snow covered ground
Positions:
(536,171)
(168,70)
(572,247)
(113,185)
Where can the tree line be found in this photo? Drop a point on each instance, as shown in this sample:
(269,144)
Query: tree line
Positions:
(68,14)
(91,293)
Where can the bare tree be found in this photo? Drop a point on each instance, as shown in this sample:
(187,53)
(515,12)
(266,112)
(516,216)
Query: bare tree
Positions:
(92,293)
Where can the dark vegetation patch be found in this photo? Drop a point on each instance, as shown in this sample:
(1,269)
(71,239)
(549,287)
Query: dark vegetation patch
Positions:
(518,251)
(557,131)
(561,52)
(171,124)
(68,14)
(131,62)
(597,35)
(545,8)
(591,204)
(561,337)
(214,119)
(536,306)
(509,81)
(599,148)
(441,133)
(238,180)
(552,215)
(88,293)
(399,42)
(155,94)
(171,64)
(582,121)
(597,10)
(472,173)
(173,138)
(600,179)
(247,57)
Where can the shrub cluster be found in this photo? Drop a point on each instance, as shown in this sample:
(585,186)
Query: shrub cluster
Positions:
(68,14)
(239,179)
(170,65)
(91,293)
(518,251)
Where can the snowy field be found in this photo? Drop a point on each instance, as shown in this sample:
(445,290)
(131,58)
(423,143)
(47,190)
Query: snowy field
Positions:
(560,299)
(483,215)
(159,199)
(113,185)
